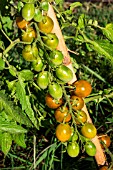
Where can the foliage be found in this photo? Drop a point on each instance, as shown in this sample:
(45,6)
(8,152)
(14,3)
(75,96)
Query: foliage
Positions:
(25,117)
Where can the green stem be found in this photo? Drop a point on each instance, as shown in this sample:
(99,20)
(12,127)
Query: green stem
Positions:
(98,96)
(6,36)
(12,44)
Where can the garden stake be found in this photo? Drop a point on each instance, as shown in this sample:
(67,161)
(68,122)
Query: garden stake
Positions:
(100,156)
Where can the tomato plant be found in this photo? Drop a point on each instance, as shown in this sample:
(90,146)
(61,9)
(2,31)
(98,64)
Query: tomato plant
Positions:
(83,88)
(46,25)
(73,149)
(53,103)
(81,117)
(55,90)
(30,53)
(43,80)
(77,102)
(21,22)
(63,132)
(37,64)
(56,58)
(88,130)
(62,114)
(28,11)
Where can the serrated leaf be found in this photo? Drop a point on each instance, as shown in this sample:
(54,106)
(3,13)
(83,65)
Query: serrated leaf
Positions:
(81,21)
(6,142)
(11,127)
(13,111)
(74,5)
(104,48)
(108,31)
(20,139)
(24,100)
(26,74)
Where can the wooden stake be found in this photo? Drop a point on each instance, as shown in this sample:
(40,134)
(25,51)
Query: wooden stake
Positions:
(100,157)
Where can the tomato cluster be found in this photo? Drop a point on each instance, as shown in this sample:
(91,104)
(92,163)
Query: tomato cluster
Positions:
(52,76)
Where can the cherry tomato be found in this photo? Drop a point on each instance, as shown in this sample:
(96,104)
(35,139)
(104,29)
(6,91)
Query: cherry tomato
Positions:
(46,25)
(88,130)
(56,58)
(53,103)
(37,64)
(38,15)
(30,53)
(64,73)
(73,149)
(28,11)
(51,40)
(44,5)
(77,102)
(104,168)
(21,23)
(81,117)
(55,90)
(63,132)
(83,88)
(105,139)
(90,148)
(43,80)
(62,114)
(28,35)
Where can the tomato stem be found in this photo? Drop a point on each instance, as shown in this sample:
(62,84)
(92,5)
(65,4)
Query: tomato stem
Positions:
(6,36)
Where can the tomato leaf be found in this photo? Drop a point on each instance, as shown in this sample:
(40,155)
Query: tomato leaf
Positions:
(20,139)
(11,127)
(2,64)
(24,101)
(26,74)
(108,31)
(74,5)
(6,142)
(13,111)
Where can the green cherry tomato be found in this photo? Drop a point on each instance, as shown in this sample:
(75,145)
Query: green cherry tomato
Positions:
(64,73)
(73,149)
(45,5)
(55,90)
(51,40)
(90,148)
(28,11)
(38,15)
(28,35)
(88,130)
(56,58)
(37,64)
(30,53)
(43,80)
(46,25)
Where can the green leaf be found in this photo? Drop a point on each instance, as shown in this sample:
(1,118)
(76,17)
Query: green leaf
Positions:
(108,31)
(11,127)
(74,5)
(6,142)
(13,71)
(13,111)
(105,48)
(26,74)
(2,64)
(24,100)
(20,139)
(81,21)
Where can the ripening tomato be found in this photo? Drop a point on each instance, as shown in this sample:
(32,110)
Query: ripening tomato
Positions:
(53,103)
(64,73)
(104,168)
(28,35)
(90,148)
(105,139)
(63,132)
(55,90)
(51,40)
(46,25)
(73,149)
(81,117)
(37,64)
(28,11)
(56,58)
(30,53)
(88,130)
(62,114)
(83,88)
(77,102)
(21,23)
(43,80)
